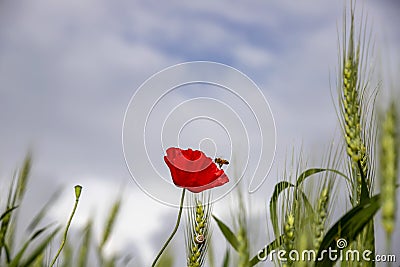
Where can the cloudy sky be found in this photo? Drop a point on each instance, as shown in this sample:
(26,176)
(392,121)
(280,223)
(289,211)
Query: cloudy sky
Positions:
(68,70)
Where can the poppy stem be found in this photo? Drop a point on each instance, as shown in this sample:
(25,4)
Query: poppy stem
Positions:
(173,232)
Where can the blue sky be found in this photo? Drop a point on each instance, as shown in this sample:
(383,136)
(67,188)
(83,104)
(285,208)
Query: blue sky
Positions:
(69,68)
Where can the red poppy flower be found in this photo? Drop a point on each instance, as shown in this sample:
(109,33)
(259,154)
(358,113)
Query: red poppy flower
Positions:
(193,170)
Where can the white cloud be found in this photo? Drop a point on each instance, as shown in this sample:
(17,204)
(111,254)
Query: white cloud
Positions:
(255,57)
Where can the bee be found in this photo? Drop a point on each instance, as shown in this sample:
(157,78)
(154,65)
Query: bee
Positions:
(221,162)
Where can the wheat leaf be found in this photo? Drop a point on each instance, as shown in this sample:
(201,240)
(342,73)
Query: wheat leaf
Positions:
(227,232)
(307,173)
(279,188)
(39,249)
(7,212)
(18,257)
(42,213)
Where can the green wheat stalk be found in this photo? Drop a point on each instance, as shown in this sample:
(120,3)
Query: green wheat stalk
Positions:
(320,217)
(15,195)
(109,227)
(356,103)
(178,220)
(198,232)
(289,236)
(110,223)
(85,246)
(297,216)
(243,234)
(351,95)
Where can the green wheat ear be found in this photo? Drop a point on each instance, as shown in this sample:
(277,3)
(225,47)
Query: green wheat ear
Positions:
(112,217)
(356,101)
(243,230)
(15,196)
(389,158)
(320,217)
(85,245)
(107,231)
(243,248)
(289,235)
(352,109)
(198,232)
